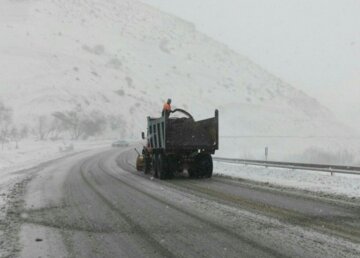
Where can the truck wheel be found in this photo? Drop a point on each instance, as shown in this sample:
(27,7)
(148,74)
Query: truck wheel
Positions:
(203,166)
(207,165)
(147,165)
(162,166)
(155,165)
(192,172)
(172,166)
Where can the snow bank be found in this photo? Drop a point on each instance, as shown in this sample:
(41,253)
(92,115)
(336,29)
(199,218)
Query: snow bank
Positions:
(315,181)
(31,153)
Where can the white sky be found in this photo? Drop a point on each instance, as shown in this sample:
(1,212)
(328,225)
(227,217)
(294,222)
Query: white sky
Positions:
(314,45)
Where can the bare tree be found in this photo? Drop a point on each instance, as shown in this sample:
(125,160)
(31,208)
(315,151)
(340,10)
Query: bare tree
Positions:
(94,124)
(5,122)
(71,122)
(15,136)
(80,124)
(24,132)
(42,129)
(56,129)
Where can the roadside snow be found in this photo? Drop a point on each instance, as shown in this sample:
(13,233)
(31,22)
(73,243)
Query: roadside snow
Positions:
(30,154)
(315,181)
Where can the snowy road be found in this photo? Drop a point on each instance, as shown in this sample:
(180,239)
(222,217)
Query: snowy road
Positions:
(94,204)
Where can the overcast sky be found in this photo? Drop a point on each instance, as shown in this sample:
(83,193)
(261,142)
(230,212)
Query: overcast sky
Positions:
(314,45)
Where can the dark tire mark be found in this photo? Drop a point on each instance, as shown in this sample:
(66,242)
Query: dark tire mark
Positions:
(137,228)
(210,223)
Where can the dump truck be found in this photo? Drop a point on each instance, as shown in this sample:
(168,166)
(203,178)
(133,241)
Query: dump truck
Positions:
(176,143)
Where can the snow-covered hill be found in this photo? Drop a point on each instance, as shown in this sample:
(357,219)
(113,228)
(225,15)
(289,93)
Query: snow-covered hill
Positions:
(122,58)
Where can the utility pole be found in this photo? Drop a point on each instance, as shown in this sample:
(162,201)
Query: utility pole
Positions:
(266,153)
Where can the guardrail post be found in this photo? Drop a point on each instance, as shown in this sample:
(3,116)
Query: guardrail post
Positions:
(266,153)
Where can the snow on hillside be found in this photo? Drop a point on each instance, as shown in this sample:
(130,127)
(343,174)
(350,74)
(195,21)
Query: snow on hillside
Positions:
(122,59)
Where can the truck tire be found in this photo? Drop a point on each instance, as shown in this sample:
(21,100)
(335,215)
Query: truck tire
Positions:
(207,165)
(155,165)
(172,166)
(202,166)
(192,172)
(162,167)
(147,165)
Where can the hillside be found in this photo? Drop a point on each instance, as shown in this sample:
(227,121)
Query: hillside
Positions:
(122,59)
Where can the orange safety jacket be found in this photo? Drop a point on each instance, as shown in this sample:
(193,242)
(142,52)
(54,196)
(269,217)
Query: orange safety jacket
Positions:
(167,107)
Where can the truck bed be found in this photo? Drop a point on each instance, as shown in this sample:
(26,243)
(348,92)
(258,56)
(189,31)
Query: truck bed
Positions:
(184,134)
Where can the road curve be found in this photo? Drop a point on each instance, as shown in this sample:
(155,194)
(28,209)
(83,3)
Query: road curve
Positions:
(95,204)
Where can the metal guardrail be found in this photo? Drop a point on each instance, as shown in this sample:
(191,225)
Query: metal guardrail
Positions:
(351,170)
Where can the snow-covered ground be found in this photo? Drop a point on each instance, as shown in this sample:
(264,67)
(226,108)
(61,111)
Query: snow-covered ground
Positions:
(31,153)
(339,184)
(121,59)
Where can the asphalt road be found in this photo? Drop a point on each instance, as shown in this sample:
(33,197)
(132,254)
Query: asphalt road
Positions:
(95,204)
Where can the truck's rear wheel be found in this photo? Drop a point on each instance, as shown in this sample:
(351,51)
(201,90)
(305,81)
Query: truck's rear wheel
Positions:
(147,165)
(163,168)
(207,165)
(155,165)
(172,166)
(202,166)
(192,172)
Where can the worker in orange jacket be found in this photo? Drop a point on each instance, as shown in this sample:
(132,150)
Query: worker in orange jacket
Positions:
(167,108)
